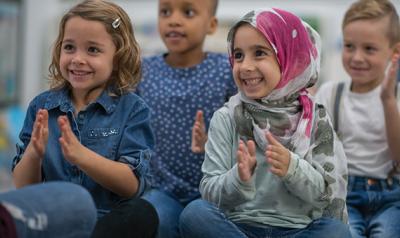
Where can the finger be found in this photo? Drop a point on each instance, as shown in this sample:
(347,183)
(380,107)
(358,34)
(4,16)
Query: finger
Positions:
(279,152)
(45,117)
(240,156)
(272,152)
(65,128)
(242,149)
(44,123)
(274,162)
(276,171)
(36,126)
(395,66)
(199,116)
(63,145)
(251,147)
(197,127)
(271,139)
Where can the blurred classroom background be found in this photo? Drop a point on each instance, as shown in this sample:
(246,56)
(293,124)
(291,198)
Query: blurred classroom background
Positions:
(29,27)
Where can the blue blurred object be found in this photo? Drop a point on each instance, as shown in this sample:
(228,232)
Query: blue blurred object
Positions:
(11,121)
(15,118)
(398,72)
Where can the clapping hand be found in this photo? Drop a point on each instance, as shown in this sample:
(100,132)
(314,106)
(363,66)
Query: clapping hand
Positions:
(199,135)
(277,156)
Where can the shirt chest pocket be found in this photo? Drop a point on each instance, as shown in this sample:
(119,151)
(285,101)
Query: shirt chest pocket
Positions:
(103,141)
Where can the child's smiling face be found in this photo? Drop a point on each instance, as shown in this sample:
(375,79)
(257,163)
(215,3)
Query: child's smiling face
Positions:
(184,24)
(366,52)
(87,54)
(255,67)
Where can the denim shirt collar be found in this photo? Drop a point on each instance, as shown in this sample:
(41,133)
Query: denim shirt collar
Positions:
(61,98)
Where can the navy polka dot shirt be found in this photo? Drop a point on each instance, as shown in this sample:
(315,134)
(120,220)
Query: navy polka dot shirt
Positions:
(174,95)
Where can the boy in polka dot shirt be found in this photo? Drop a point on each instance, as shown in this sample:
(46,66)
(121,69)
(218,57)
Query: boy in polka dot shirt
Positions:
(183,87)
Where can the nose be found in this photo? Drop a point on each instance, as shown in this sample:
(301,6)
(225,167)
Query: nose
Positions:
(247,64)
(175,19)
(358,55)
(77,59)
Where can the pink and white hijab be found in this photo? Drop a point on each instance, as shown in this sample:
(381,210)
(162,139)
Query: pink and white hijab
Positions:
(289,112)
(297,48)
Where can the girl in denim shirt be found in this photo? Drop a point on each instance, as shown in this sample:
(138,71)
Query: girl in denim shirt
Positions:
(89,128)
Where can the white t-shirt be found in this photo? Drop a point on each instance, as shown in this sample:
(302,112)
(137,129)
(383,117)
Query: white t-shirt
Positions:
(361,128)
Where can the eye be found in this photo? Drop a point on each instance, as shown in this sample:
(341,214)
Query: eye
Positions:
(68,47)
(370,49)
(259,53)
(237,55)
(348,46)
(164,12)
(93,50)
(189,13)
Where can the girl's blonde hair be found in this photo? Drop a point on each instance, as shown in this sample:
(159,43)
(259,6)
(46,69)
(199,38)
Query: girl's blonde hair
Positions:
(375,9)
(126,69)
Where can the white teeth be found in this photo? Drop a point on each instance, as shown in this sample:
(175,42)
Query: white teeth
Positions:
(79,72)
(173,34)
(252,82)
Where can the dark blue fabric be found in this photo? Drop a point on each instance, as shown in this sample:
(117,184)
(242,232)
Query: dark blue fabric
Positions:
(174,95)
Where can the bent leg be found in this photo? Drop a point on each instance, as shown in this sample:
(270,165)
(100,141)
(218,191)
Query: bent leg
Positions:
(331,228)
(358,225)
(168,211)
(201,219)
(386,223)
(52,209)
(133,218)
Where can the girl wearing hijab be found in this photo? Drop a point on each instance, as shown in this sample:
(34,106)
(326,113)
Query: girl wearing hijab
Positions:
(273,165)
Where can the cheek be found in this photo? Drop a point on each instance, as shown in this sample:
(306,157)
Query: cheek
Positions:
(236,73)
(64,59)
(346,59)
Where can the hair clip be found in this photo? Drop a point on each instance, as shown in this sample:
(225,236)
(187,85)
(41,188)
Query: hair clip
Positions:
(116,23)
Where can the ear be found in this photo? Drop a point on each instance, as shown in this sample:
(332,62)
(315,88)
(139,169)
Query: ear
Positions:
(213,24)
(396,48)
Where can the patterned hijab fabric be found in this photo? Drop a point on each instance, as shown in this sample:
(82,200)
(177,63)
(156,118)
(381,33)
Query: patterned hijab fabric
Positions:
(289,112)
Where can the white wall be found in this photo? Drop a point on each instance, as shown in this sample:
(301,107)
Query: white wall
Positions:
(41,19)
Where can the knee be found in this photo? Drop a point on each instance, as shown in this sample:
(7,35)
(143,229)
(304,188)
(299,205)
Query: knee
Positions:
(337,229)
(75,197)
(139,208)
(195,213)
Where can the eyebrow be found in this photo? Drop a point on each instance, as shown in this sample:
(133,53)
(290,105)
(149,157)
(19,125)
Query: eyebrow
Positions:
(256,47)
(89,42)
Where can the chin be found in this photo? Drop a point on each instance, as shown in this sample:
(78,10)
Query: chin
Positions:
(252,96)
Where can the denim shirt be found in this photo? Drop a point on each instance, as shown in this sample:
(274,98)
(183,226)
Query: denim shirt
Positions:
(117,128)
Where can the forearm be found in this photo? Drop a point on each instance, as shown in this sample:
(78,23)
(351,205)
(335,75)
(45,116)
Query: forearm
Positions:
(115,176)
(226,190)
(305,182)
(27,171)
(392,124)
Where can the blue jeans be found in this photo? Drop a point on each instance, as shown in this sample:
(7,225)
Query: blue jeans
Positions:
(201,219)
(374,207)
(169,209)
(53,209)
